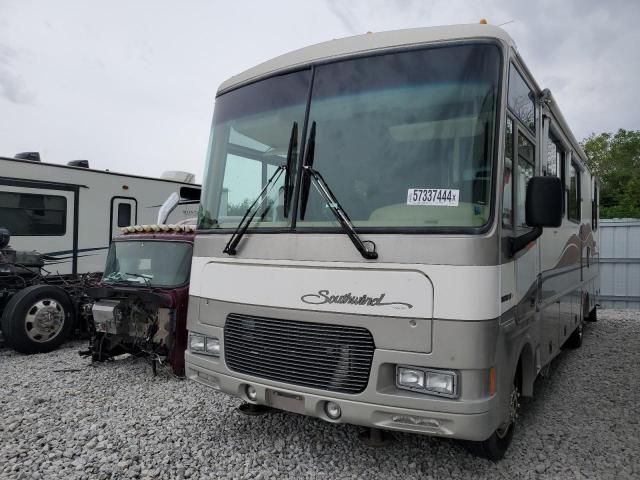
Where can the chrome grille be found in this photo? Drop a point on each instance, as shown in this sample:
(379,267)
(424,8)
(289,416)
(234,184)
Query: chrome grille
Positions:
(316,355)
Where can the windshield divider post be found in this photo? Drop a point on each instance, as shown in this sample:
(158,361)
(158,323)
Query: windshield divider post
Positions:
(301,154)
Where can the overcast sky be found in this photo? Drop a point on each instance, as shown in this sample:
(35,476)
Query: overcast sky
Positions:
(130,84)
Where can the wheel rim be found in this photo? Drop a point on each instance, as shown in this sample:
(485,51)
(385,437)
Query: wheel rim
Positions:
(514,406)
(580,331)
(44,320)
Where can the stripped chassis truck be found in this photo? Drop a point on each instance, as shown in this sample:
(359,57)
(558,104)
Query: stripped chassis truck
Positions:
(397,230)
(140,305)
(40,309)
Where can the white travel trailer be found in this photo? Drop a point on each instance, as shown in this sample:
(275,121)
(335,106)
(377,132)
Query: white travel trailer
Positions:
(397,230)
(69,213)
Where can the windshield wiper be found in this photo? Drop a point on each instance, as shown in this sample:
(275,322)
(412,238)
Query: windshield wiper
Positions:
(306,179)
(139,275)
(292,153)
(230,248)
(313,176)
(345,222)
(249,214)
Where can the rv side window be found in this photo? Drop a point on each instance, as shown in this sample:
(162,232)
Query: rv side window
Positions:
(521,99)
(526,161)
(553,166)
(124,214)
(573,204)
(594,208)
(507,191)
(26,214)
(554,163)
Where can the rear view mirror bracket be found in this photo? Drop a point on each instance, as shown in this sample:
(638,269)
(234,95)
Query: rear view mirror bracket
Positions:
(518,243)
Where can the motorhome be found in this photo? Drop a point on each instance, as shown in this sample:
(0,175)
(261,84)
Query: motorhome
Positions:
(398,230)
(69,213)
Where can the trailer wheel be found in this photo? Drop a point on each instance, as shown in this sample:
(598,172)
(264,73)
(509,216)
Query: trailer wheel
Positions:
(37,319)
(494,447)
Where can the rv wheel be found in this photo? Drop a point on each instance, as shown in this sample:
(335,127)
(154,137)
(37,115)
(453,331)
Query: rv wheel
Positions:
(494,447)
(37,319)
(575,339)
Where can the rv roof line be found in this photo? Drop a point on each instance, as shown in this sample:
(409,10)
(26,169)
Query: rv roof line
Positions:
(107,172)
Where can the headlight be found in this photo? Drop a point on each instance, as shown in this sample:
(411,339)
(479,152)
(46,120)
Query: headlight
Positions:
(203,344)
(443,383)
(212,346)
(196,343)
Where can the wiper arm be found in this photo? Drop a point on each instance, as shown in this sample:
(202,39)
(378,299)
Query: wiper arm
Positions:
(249,215)
(323,189)
(308,162)
(325,192)
(292,153)
(139,275)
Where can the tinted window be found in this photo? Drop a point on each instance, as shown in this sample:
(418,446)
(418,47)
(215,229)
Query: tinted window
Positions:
(252,129)
(525,172)
(573,203)
(507,192)
(594,221)
(521,99)
(124,214)
(555,157)
(26,214)
(389,126)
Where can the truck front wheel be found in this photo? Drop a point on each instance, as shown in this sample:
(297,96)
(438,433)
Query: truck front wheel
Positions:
(494,447)
(37,319)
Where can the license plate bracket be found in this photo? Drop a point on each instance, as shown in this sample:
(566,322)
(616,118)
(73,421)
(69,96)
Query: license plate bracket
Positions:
(286,401)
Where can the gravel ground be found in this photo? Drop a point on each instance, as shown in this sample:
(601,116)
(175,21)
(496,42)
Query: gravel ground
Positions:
(61,417)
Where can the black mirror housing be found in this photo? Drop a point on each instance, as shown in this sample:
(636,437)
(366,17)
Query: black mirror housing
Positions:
(544,202)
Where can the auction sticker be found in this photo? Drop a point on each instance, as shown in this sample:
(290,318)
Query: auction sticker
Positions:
(444,197)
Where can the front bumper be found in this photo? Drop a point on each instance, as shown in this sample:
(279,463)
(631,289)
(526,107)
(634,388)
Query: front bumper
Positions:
(462,419)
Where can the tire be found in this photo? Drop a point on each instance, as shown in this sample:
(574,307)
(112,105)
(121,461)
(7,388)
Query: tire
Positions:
(494,447)
(593,315)
(37,319)
(575,339)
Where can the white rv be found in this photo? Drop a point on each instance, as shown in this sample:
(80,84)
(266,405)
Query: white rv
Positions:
(70,213)
(397,230)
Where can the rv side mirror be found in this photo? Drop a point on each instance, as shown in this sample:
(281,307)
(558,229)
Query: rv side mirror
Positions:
(544,202)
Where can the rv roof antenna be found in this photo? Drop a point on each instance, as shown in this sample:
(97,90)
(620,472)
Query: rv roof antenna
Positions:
(506,23)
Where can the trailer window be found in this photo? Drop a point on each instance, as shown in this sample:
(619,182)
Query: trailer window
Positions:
(573,203)
(124,214)
(521,99)
(26,214)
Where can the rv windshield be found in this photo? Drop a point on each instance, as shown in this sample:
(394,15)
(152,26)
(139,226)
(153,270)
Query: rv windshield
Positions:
(149,263)
(404,139)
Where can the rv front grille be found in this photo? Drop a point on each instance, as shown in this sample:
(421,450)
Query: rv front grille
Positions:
(336,358)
